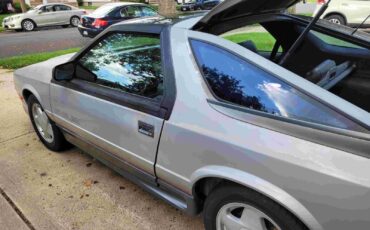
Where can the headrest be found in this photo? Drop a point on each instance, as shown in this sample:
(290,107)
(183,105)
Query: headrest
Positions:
(249,45)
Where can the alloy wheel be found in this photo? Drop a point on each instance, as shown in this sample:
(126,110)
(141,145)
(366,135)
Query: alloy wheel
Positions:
(42,123)
(75,21)
(335,21)
(28,25)
(239,216)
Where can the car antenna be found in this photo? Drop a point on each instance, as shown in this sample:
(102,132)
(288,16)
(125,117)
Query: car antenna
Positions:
(299,40)
(358,27)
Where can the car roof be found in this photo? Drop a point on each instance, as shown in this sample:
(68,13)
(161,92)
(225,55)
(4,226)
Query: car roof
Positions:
(123,4)
(54,3)
(185,22)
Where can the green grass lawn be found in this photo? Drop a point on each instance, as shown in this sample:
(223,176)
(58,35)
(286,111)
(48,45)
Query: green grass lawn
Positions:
(88,7)
(29,59)
(264,41)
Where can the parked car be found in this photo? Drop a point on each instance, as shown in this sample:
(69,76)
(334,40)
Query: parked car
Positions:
(199,5)
(54,14)
(220,126)
(111,13)
(346,12)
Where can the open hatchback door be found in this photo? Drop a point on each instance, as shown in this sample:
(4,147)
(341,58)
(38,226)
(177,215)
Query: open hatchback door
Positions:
(232,9)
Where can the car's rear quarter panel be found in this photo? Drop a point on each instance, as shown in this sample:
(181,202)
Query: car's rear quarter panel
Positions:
(327,188)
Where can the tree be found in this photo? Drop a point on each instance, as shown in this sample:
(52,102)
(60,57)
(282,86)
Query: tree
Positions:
(167,8)
(23,5)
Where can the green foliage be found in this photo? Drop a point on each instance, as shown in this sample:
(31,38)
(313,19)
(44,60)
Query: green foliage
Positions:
(79,2)
(2,16)
(264,41)
(18,8)
(29,59)
(89,7)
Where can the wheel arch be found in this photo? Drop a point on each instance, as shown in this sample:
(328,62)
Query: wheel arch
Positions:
(27,91)
(206,179)
(74,16)
(29,19)
(336,13)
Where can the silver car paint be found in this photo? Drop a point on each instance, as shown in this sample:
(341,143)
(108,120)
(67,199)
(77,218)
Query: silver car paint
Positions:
(44,18)
(110,126)
(36,79)
(325,187)
(332,184)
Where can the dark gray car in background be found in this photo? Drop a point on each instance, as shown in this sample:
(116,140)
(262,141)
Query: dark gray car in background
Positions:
(112,13)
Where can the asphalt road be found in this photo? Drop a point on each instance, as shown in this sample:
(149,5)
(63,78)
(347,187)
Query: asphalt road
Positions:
(43,40)
(40,189)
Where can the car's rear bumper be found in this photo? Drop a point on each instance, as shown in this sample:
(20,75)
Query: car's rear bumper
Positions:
(89,32)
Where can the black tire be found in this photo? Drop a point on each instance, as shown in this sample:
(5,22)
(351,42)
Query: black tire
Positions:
(59,143)
(71,21)
(65,26)
(230,193)
(337,19)
(25,24)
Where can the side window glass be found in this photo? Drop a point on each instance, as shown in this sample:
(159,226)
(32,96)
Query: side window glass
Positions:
(127,62)
(48,8)
(253,37)
(148,11)
(123,13)
(133,11)
(61,8)
(235,80)
(334,41)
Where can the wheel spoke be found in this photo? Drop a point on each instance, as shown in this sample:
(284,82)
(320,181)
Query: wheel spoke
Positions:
(231,222)
(42,123)
(49,131)
(253,219)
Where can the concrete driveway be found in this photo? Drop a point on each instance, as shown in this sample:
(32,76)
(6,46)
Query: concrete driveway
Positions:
(40,189)
(43,40)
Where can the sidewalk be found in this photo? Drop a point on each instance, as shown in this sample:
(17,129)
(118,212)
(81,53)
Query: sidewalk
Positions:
(9,219)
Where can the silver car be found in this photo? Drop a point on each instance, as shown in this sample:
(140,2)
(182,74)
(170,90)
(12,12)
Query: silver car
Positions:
(210,119)
(347,12)
(55,14)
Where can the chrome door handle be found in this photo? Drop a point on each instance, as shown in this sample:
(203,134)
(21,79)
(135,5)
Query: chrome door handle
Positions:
(146,129)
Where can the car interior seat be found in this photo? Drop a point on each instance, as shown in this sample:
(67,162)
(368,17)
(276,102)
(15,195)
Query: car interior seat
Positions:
(249,45)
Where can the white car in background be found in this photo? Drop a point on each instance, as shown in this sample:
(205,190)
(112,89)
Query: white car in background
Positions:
(55,14)
(346,12)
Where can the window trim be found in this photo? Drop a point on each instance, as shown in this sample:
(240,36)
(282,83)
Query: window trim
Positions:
(161,109)
(308,124)
(115,89)
(68,8)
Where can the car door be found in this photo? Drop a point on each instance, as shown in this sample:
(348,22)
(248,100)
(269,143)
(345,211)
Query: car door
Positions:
(117,100)
(45,16)
(356,10)
(62,14)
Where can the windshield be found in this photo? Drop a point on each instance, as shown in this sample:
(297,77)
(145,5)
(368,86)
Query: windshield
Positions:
(104,10)
(35,8)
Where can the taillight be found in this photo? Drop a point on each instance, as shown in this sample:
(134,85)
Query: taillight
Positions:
(321,2)
(99,23)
